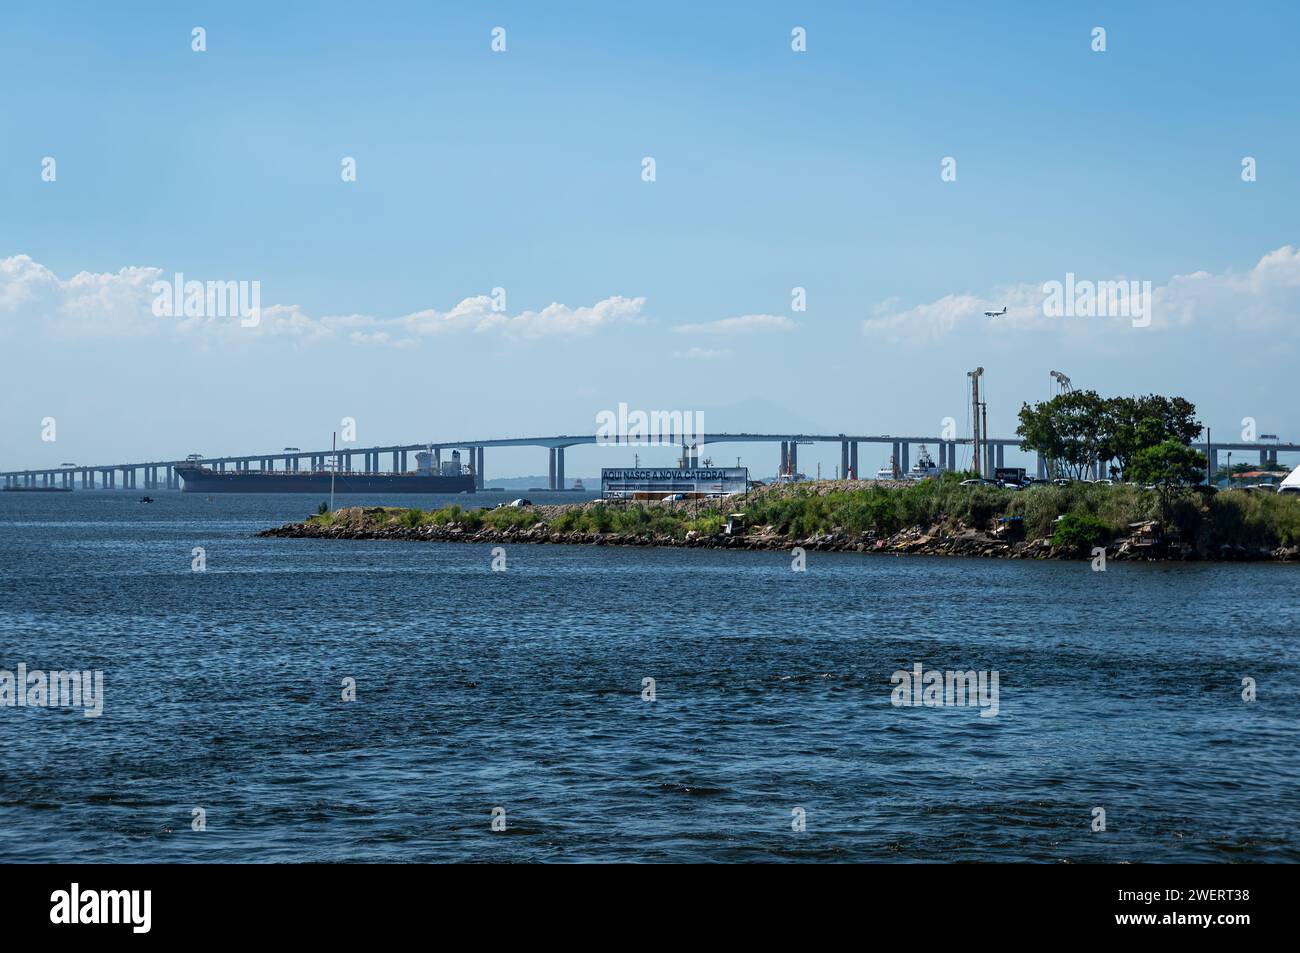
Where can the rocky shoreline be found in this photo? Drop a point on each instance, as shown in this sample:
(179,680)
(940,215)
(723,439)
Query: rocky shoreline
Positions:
(371,524)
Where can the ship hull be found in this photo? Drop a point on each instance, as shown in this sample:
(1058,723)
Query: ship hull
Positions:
(203,480)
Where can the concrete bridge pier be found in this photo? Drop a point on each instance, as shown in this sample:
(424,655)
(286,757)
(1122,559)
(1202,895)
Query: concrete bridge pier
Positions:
(905,463)
(478,470)
(551,483)
(403,461)
(844,460)
(559,468)
(853,460)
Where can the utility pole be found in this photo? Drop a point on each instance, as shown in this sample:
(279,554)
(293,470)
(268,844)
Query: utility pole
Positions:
(976,443)
(984,431)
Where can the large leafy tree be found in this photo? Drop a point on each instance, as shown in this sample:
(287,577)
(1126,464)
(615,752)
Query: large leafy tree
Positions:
(1068,430)
(1072,430)
(1134,423)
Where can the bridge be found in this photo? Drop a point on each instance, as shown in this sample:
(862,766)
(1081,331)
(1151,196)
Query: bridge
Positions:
(159,474)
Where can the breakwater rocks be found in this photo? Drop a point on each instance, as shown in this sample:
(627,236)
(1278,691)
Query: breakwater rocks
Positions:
(377,523)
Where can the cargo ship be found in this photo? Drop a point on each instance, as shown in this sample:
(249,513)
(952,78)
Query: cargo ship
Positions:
(449,477)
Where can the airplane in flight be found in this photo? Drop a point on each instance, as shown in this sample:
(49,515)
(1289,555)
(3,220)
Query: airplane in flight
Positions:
(996,314)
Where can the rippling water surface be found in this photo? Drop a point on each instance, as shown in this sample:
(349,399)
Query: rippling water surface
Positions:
(522,689)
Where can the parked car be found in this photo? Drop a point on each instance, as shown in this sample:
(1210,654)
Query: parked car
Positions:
(674,497)
(979,482)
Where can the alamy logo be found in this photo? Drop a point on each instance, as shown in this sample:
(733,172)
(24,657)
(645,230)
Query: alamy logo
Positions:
(935,689)
(39,689)
(655,428)
(1098,299)
(103,906)
(179,298)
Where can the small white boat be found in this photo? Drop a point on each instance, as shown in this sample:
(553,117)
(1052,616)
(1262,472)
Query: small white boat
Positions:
(924,468)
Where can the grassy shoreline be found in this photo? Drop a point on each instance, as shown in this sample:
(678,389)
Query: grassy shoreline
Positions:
(931,516)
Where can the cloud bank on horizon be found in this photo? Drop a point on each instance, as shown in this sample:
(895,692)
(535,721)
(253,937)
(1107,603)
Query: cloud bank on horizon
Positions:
(121,304)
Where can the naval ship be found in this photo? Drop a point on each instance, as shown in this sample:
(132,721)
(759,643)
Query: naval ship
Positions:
(449,477)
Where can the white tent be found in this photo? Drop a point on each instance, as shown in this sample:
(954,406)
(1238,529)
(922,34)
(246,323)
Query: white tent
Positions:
(1292,483)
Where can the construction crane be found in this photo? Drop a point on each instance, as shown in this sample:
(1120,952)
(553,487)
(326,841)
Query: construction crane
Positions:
(975,406)
(1066,386)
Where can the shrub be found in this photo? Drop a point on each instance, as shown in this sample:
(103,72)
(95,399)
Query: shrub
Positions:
(1080,532)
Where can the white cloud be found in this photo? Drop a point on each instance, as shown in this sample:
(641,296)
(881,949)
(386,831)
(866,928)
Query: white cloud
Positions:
(741,325)
(120,304)
(702,354)
(86,305)
(1266,296)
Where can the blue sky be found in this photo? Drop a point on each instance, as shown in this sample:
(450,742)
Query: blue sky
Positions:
(522,170)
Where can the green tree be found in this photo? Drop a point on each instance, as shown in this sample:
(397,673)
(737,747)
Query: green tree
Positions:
(1069,430)
(1134,423)
(1170,465)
